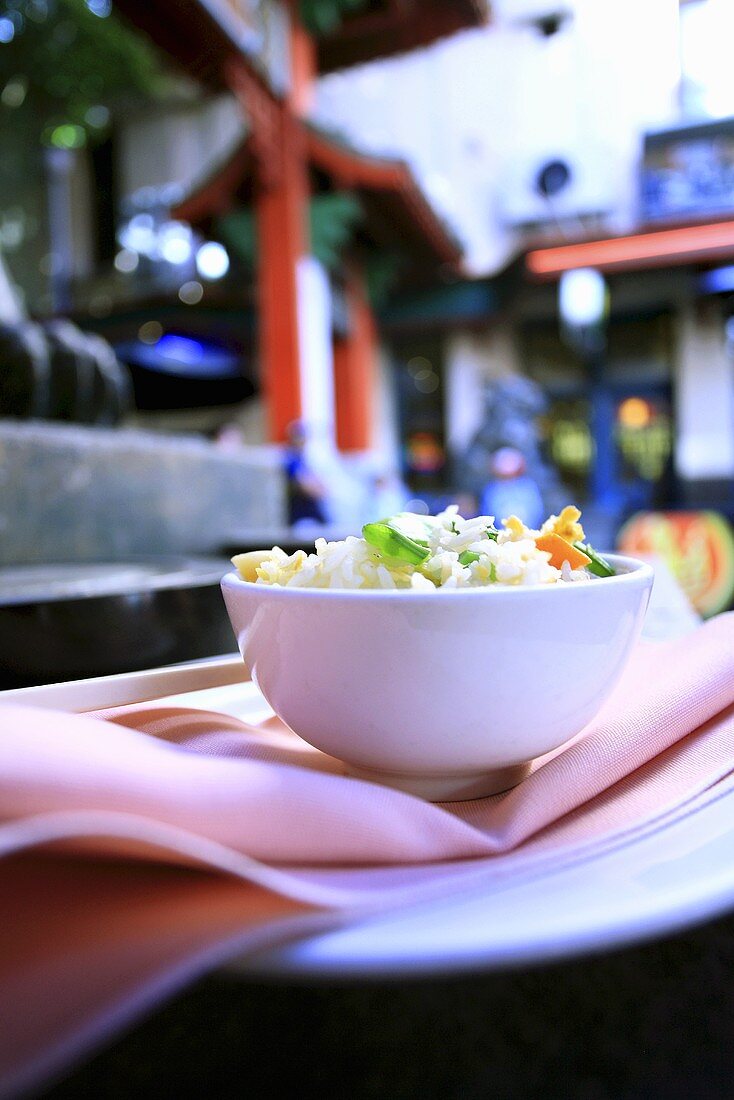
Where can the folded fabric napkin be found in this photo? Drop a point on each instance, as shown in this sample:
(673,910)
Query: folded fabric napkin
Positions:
(145,845)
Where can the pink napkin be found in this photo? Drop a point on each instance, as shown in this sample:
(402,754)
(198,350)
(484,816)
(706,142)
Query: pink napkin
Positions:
(112,825)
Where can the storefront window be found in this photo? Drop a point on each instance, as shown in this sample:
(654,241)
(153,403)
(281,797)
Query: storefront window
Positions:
(636,379)
(569,444)
(419,376)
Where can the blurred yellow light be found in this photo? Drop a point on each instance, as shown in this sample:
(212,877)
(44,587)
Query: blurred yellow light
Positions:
(634,412)
(191,293)
(418,364)
(150,332)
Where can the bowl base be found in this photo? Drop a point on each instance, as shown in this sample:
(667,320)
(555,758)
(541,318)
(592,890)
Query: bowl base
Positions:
(448,788)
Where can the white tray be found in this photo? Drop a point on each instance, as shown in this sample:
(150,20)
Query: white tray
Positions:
(679,875)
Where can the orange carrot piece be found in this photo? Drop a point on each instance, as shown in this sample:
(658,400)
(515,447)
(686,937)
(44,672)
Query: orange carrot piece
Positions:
(561,551)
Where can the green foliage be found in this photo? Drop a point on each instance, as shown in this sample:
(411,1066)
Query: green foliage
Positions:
(333,219)
(382,271)
(67,63)
(321,17)
(237,232)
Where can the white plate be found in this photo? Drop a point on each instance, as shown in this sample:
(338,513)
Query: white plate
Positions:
(681,876)
(678,875)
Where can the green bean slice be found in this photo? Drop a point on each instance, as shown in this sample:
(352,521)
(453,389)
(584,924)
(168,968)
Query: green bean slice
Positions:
(598,565)
(394,544)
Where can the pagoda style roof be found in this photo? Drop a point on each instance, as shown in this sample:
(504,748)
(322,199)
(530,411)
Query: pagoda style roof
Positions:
(397,212)
(194,34)
(387,27)
(387,186)
(204,36)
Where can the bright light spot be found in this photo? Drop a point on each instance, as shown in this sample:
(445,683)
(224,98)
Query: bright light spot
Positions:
(97,116)
(191,293)
(139,235)
(175,243)
(142,221)
(634,412)
(14,92)
(582,297)
(212,261)
(101,8)
(7,30)
(126,261)
(184,349)
(68,136)
(150,332)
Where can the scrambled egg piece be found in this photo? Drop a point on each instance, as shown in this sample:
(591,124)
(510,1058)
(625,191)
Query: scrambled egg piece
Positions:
(566,525)
(516,527)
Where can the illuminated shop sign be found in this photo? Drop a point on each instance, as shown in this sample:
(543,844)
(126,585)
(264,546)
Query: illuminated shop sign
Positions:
(689,171)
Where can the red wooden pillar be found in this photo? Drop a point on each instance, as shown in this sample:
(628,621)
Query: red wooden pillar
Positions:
(355,367)
(281,214)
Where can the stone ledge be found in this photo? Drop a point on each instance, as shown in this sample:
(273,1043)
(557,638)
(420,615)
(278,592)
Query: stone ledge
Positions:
(71,493)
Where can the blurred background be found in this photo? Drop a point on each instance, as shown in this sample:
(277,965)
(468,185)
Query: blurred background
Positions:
(275,267)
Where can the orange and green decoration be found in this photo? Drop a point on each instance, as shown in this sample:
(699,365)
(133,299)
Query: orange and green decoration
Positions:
(698,547)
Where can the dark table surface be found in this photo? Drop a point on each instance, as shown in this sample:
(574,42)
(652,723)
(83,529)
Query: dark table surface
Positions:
(655,1020)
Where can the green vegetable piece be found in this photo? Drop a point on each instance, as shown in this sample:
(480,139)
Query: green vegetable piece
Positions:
(394,544)
(408,520)
(492,533)
(598,565)
(468,557)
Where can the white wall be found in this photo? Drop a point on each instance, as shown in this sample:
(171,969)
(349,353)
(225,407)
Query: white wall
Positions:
(316,352)
(476,114)
(177,145)
(704,395)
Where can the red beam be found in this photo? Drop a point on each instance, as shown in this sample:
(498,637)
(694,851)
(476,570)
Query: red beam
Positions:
(686,244)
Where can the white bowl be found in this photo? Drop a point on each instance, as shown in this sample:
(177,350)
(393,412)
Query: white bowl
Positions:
(446,694)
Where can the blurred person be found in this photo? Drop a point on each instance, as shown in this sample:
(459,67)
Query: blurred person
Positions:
(511,490)
(306,491)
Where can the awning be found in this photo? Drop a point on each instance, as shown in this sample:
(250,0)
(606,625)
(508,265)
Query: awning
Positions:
(397,211)
(699,243)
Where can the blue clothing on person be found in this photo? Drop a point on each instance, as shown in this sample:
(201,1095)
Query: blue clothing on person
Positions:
(516,496)
(302,504)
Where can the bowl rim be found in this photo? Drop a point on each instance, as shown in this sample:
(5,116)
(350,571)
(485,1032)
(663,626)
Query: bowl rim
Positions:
(637,573)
